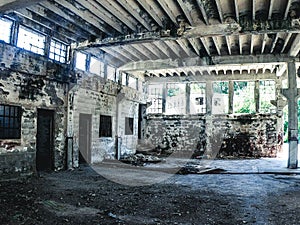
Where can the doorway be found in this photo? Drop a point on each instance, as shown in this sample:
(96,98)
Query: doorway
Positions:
(85,123)
(44,142)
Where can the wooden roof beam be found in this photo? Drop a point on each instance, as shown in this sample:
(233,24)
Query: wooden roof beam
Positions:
(216,43)
(286,41)
(271,9)
(236,9)
(186,11)
(228,42)
(184,45)
(151,8)
(295,48)
(195,44)
(168,11)
(205,45)
(11,5)
(288,5)
(218,3)
(203,12)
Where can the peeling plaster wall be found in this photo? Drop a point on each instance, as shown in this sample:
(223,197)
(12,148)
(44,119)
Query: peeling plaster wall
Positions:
(227,135)
(30,81)
(97,96)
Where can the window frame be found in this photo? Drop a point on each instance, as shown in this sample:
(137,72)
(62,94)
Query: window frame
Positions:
(105,126)
(66,51)
(129,126)
(85,61)
(6,20)
(13,121)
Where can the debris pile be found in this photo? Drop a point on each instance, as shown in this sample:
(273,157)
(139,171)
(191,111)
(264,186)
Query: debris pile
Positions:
(140,159)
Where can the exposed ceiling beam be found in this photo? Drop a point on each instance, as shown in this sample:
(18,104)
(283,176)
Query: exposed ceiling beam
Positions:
(142,49)
(168,11)
(58,12)
(102,14)
(151,7)
(274,43)
(251,44)
(133,8)
(186,11)
(265,37)
(241,45)
(203,12)
(184,45)
(195,44)
(271,9)
(205,45)
(288,5)
(115,54)
(163,48)
(253,9)
(124,53)
(119,12)
(11,5)
(228,42)
(154,54)
(174,47)
(218,61)
(286,41)
(218,3)
(133,50)
(236,9)
(85,15)
(295,48)
(216,43)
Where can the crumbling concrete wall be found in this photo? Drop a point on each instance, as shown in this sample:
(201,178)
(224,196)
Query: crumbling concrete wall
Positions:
(31,81)
(97,96)
(227,136)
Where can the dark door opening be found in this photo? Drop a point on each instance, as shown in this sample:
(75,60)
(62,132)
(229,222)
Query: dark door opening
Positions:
(85,123)
(44,142)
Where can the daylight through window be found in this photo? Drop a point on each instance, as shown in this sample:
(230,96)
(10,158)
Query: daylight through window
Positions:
(10,122)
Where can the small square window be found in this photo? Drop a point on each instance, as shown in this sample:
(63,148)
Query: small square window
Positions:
(58,51)
(31,40)
(10,122)
(5,31)
(128,126)
(111,73)
(105,126)
(97,66)
(81,61)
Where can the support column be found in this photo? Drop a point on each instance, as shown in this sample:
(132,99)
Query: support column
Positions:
(230,96)
(187,98)
(209,95)
(292,96)
(257,96)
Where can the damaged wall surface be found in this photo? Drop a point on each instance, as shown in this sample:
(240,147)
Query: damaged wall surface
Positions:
(31,82)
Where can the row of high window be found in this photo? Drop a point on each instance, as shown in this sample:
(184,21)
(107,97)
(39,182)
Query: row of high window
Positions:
(33,41)
(179,98)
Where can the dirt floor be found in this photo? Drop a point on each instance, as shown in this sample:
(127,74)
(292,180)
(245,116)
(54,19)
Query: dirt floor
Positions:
(83,196)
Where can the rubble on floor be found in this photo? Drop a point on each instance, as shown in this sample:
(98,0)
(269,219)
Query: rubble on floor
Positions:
(141,159)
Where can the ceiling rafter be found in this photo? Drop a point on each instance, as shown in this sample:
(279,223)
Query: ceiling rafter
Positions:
(115,54)
(288,5)
(163,48)
(241,45)
(151,7)
(151,50)
(56,10)
(286,41)
(174,47)
(102,14)
(11,5)
(132,7)
(119,12)
(168,11)
(271,9)
(85,15)
(144,50)
(157,51)
(130,48)
(274,43)
(203,12)
(228,42)
(253,9)
(205,45)
(265,37)
(236,9)
(295,48)
(195,44)
(121,52)
(218,3)
(184,45)
(251,44)
(186,11)
(216,43)
(127,53)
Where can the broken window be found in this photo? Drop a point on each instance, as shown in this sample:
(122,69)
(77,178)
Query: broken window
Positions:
(155,97)
(81,61)
(197,98)
(132,82)
(10,122)
(243,97)
(5,31)
(176,100)
(58,51)
(111,73)
(31,40)
(105,129)
(97,66)
(266,94)
(128,126)
(220,97)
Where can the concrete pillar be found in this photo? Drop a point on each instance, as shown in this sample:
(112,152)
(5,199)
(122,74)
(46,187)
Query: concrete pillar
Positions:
(187,98)
(292,96)
(209,95)
(257,96)
(164,97)
(230,96)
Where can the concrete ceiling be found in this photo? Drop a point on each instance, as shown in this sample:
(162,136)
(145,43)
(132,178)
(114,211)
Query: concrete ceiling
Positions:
(169,37)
